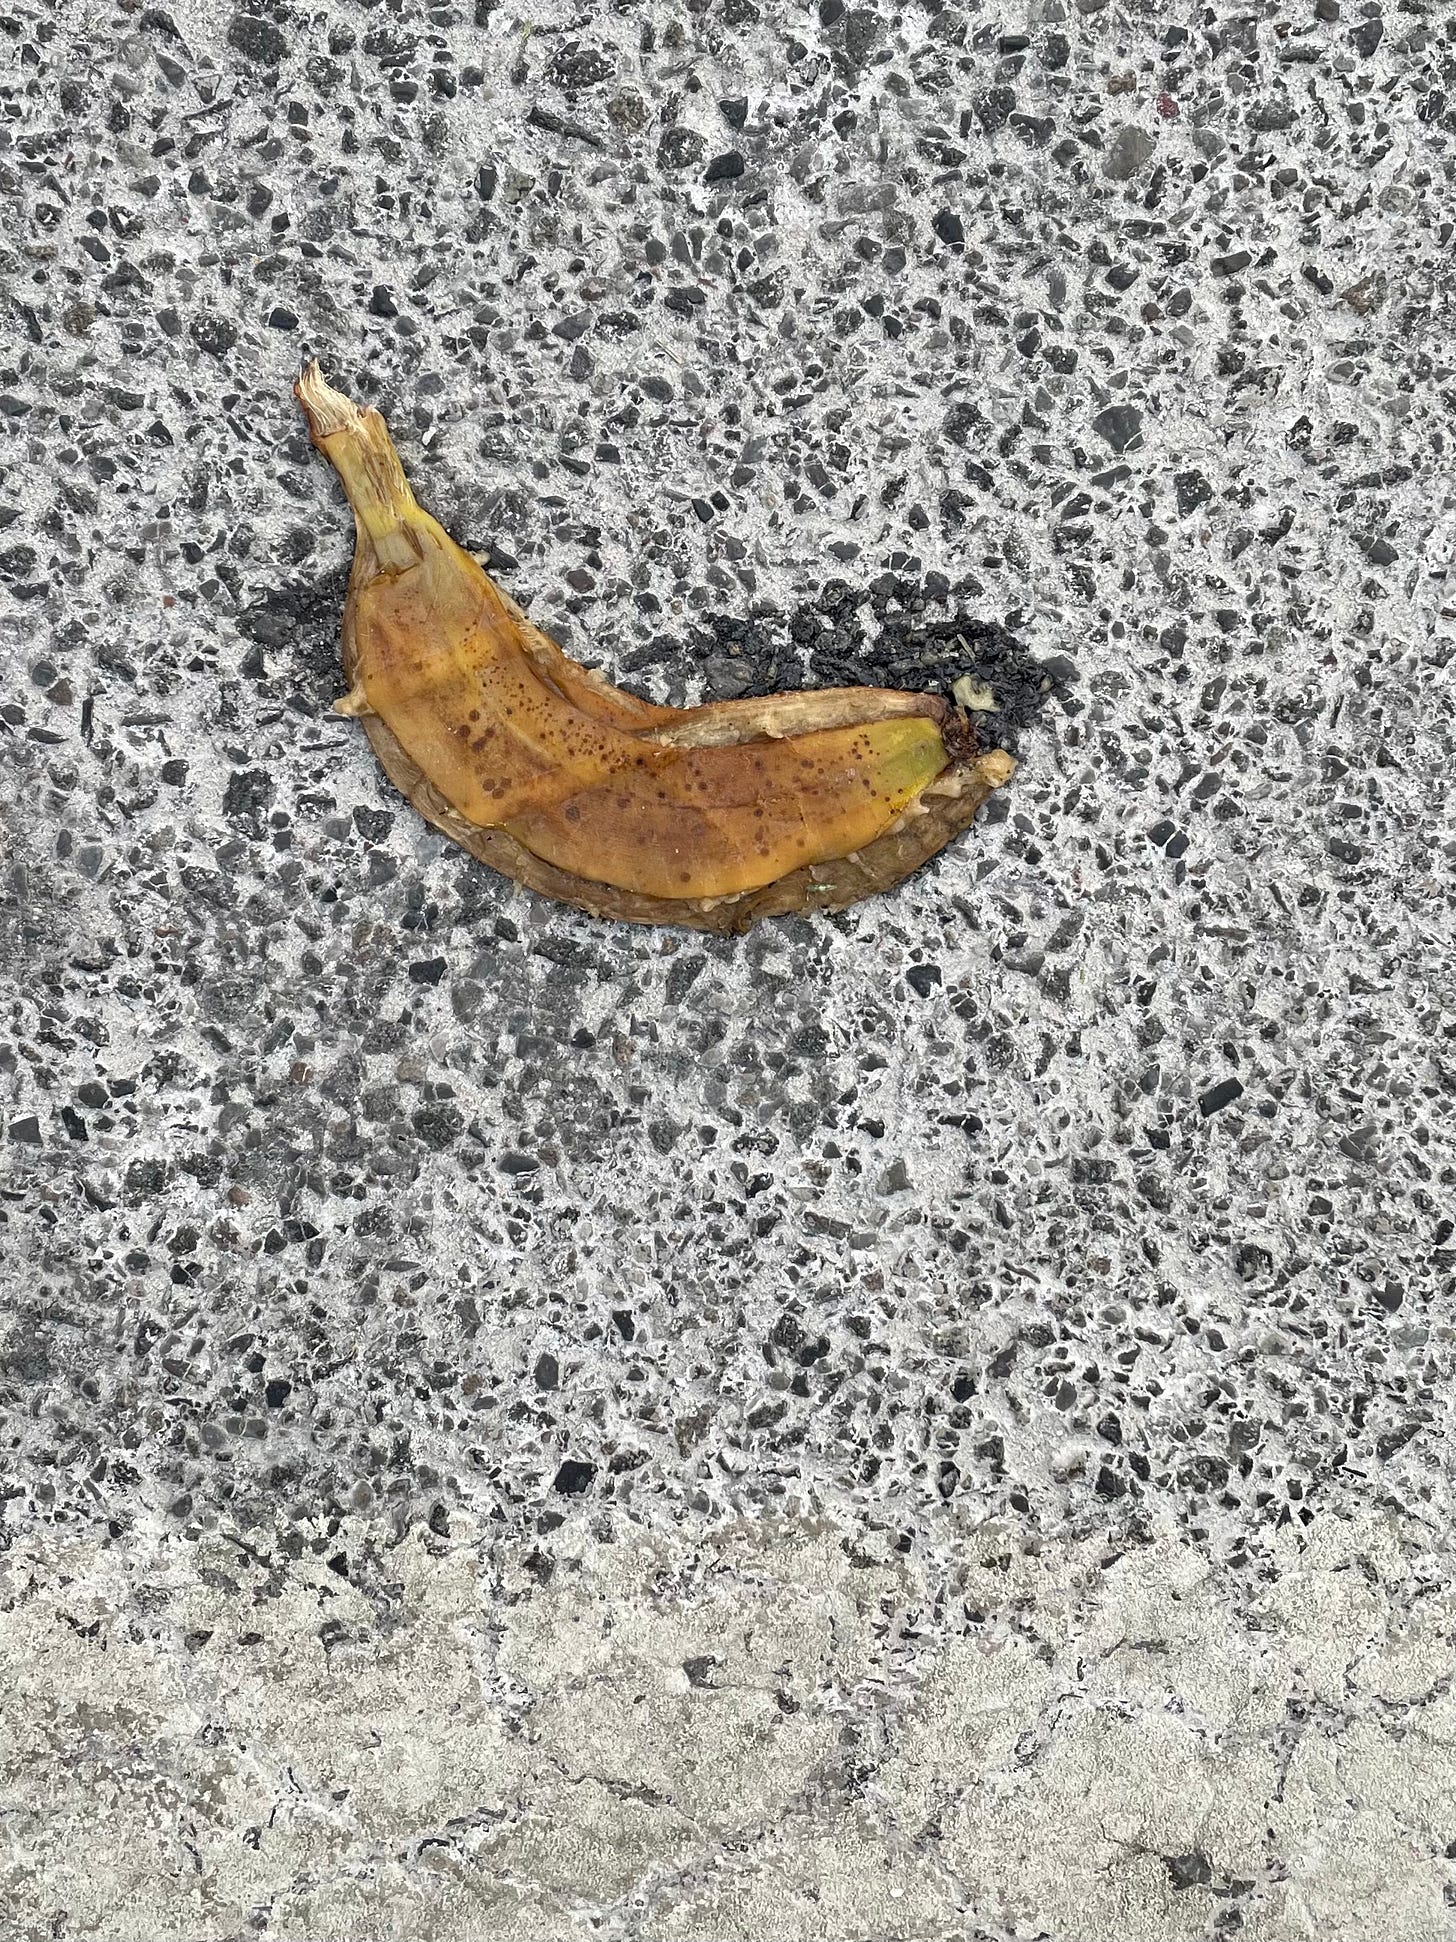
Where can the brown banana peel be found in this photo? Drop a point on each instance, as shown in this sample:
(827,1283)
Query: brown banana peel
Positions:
(709,817)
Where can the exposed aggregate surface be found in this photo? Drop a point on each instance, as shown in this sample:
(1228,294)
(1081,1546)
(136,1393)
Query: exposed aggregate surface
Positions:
(929,1424)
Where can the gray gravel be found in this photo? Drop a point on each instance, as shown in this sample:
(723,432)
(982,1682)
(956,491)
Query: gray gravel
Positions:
(930,1424)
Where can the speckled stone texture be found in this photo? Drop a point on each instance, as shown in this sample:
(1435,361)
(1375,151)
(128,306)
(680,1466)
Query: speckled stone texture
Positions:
(934,1424)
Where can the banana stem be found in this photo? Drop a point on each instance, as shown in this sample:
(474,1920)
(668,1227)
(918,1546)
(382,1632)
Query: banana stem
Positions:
(357,444)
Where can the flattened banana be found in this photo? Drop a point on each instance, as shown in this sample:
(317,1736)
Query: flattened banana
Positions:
(708,817)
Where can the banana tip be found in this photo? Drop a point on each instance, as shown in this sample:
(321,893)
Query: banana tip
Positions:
(327,411)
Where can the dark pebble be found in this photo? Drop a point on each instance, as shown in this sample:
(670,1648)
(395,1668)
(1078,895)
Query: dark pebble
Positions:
(1192,490)
(1121,426)
(373,824)
(576,68)
(574,1477)
(257,40)
(214,335)
(1217,1097)
(995,108)
(724,168)
(554,124)
(248,794)
(145,1178)
(1271,117)
(439,1125)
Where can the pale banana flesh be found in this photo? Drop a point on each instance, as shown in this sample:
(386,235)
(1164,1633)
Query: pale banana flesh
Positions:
(678,806)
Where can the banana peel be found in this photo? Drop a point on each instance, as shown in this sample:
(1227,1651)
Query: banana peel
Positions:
(709,818)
